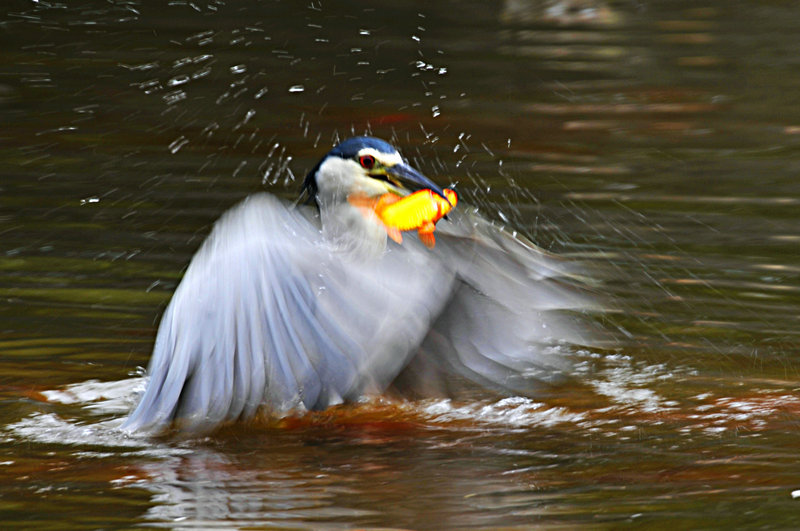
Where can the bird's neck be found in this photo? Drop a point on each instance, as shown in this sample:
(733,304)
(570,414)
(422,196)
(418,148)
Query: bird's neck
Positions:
(352,228)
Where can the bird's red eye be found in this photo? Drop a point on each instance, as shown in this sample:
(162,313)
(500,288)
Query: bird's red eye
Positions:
(367,161)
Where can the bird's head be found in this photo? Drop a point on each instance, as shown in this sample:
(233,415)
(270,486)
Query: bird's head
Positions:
(363,165)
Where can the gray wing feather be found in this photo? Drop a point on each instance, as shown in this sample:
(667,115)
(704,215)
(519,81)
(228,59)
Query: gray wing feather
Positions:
(515,307)
(269,314)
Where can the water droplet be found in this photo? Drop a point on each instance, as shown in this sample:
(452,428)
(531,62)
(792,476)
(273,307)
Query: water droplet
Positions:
(435,111)
(178,80)
(177,144)
(238,69)
(297,88)
(239,168)
(203,72)
(174,97)
(181,62)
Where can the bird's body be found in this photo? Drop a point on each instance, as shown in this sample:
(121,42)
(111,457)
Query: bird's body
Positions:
(288,308)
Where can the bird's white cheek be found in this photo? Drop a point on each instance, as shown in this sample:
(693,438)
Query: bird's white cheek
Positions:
(335,179)
(339,178)
(370,187)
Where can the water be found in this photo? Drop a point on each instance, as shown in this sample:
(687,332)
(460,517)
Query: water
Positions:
(657,140)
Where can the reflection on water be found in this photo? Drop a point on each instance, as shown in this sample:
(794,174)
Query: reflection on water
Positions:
(658,142)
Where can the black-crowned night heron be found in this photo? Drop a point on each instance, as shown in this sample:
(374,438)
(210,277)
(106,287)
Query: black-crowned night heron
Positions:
(289,308)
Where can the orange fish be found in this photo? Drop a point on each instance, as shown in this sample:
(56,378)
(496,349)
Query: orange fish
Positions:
(418,211)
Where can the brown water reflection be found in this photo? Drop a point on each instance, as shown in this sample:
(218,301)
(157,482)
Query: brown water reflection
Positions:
(656,140)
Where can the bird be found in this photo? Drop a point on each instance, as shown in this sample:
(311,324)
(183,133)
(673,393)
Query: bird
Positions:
(289,307)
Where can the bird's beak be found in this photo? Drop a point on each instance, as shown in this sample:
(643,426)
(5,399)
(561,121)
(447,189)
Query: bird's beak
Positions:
(414,179)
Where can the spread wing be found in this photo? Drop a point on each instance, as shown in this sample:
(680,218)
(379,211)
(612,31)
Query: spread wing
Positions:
(514,308)
(270,314)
